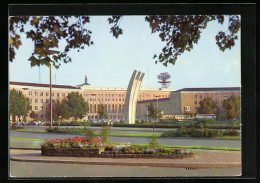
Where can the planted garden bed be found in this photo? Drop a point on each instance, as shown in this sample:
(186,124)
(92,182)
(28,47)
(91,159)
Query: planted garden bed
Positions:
(76,146)
(93,147)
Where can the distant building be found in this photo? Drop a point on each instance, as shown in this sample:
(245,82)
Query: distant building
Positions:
(112,97)
(186,100)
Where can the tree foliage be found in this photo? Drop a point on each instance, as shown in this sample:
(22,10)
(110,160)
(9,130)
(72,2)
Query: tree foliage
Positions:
(19,104)
(46,33)
(207,106)
(232,107)
(152,111)
(102,112)
(178,32)
(77,107)
(60,108)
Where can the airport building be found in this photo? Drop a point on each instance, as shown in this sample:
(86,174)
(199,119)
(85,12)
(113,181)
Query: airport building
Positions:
(112,97)
(186,100)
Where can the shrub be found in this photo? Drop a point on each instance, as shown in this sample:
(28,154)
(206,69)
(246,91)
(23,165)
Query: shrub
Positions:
(89,132)
(153,141)
(201,132)
(104,134)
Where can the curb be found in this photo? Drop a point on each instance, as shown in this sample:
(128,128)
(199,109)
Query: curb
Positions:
(132,163)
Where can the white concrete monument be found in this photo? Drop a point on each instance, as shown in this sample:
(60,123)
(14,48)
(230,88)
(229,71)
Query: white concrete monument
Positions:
(131,97)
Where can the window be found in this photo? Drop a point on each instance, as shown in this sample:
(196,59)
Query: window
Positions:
(36,108)
(195,102)
(41,100)
(63,94)
(36,101)
(195,96)
(216,95)
(119,95)
(47,101)
(53,94)
(41,115)
(212,96)
(222,96)
(30,92)
(47,94)
(200,96)
(187,108)
(41,108)
(36,93)
(206,96)
(41,94)
(58,94)
(30,100)
(46,108)
(112,95)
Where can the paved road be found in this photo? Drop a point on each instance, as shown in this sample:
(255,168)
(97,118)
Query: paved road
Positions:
(182,141)
(28,169)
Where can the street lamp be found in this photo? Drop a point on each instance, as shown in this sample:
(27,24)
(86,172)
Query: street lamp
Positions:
(51,52)
(25,91)
(157,111)
(93,108)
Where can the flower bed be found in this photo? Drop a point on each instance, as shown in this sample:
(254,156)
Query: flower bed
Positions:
(76,146)
(93,147)
(141,151)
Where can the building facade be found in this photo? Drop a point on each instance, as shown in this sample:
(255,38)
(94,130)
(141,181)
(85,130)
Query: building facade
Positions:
(186,100)
(112,97)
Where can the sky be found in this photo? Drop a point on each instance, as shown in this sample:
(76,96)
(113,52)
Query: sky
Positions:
(110,62)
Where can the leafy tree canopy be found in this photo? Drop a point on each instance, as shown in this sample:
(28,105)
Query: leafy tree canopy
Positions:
(178,32)
(207,106)
(19,105)
(232,107)
(77,107)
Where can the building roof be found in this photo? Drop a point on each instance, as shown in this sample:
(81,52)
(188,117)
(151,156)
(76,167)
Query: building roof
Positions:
(42,85)
(210,89)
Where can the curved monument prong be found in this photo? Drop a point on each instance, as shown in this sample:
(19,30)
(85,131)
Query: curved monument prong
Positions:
(131,97)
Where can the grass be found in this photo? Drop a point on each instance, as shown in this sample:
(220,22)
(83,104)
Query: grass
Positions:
(136,134)
(30,130)
(170,146)
(27,139)
(126,134)
(192,147)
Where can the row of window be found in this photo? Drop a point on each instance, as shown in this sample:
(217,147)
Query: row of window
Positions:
(46,94)
(217,102)
(212,96)
(106,99)
(42,101)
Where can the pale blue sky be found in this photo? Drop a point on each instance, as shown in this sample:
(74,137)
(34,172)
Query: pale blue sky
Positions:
(110,61)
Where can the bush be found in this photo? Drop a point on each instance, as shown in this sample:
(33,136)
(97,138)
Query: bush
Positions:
(202,132)
(153,141)
(89,132)
(104,134)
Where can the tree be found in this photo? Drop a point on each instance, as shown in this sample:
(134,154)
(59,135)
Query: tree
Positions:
(77,107)
(207,106)
(178,32)
(102,112)
(19,105)
(32,114)
(232,107)
(152,111)
(59,108)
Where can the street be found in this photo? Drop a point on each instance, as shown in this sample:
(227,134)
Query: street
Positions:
(38,170)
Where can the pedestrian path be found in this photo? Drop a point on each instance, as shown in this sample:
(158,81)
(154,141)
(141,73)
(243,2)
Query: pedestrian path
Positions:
(204,159)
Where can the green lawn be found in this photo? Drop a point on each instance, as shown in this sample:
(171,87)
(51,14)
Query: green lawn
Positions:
(170,146)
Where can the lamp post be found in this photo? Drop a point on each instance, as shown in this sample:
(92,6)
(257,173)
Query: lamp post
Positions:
(157,111)
(93,108)
(51,52)
(25,91)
